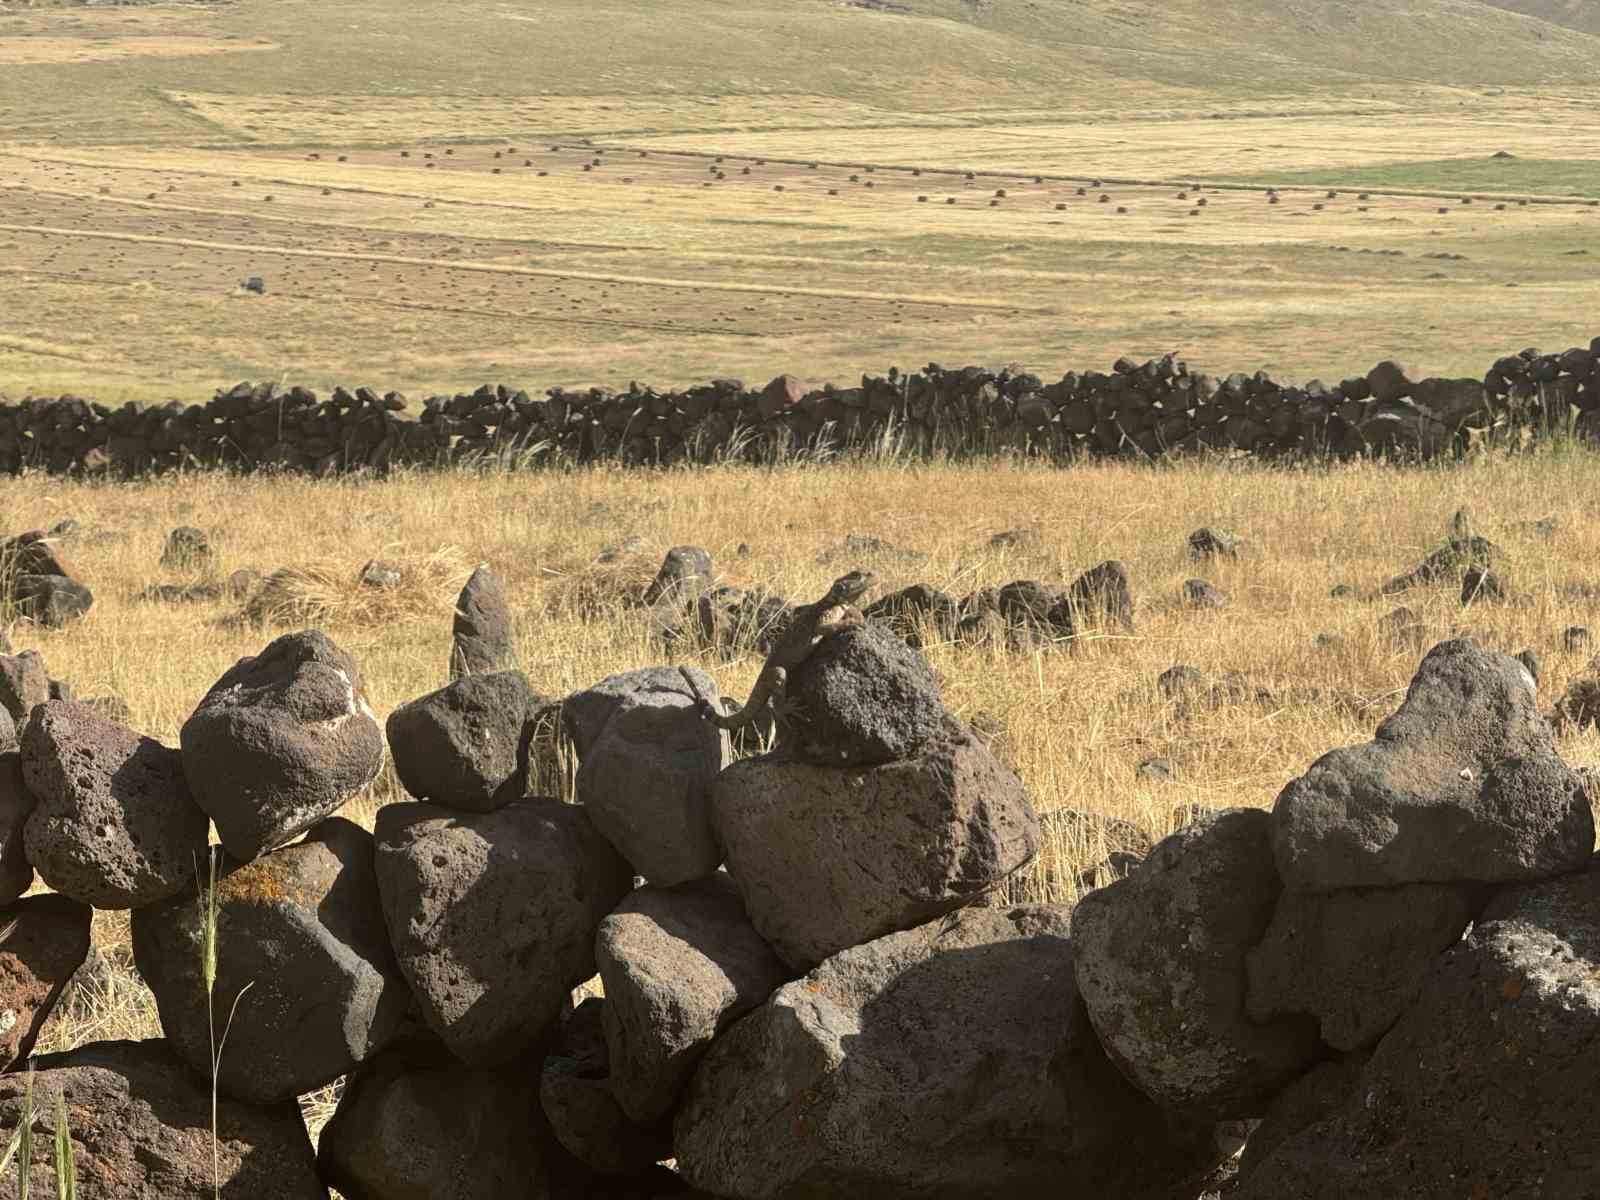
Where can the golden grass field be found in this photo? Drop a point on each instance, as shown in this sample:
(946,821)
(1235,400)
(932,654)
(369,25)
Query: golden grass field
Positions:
(410,181)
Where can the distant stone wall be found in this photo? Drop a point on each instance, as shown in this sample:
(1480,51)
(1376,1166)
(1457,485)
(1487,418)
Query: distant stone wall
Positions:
(1137,409)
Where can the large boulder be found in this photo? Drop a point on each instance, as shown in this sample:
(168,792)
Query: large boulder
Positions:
(1102,595)
(43,941)
(50,600)
(493,915)
(416,1125)
(466,745)
(281,741)
(115,825)
(1484,1087)
(951,1060)
(24,684)
(16,806)
(575,1094)
(141,1130)
(679,965)
(1461,784)
(1160,959)
(483,636)
(586,712)
(301,944)
(864,696)
(1355,959)
(829,857)
(646,779)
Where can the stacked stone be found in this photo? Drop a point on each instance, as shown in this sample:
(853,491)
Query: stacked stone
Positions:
(1143,409)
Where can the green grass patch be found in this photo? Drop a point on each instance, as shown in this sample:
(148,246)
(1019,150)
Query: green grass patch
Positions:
(1516,176)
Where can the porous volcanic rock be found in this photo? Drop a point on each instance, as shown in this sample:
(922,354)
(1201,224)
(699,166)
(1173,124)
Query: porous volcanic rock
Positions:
(301,943)
(864,697)
(679,965)
(951,1060)
(281,741)
(114,825)
(828,857)
(1461,784)
(43,940)
(493,916)
(466,745)
(575,1093)
(16,806)
(483,636)
(1160,960)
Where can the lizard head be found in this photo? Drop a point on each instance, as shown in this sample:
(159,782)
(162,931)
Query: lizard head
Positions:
(849,588)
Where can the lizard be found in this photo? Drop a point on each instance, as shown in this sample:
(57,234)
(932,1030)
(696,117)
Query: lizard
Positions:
(810,624)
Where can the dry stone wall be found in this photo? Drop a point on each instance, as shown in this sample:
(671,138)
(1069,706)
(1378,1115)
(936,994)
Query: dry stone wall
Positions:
(1139,409)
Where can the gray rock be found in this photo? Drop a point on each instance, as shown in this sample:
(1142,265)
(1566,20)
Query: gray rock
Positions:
(863,697)
(646,784)
(1481,1089)
(1317,1094)
(1575,638)
(140,1120)
(575,1093)
(951,1060)
(466,745)
(302,929)
(1462,784)
(685,573)
(115,825)
(24,684)
(586,712)
(493,915)
(16,806)
(679,966)
(1197,593)
(1481,585)
(43,941)
(1071,836)
(828,857)
(1403,629)
(1102,595)
(1354,959)
(381,576)
(914,610)
(483,636)
(415,1125)
(281,741)
(53,601)
(187,548)
(1160,962)
(1530,660)
(1213,543)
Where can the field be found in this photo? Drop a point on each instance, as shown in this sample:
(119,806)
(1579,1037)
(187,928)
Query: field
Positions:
(822,194)
(562,192)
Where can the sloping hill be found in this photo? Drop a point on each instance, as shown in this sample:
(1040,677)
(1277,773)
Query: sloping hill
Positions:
(1582,15)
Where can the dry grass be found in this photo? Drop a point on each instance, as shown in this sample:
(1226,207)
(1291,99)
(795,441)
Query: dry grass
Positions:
(1074,721)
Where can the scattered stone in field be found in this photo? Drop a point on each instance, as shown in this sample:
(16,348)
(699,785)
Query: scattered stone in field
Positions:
(1342,591)
(24,684)
(1530,660)
(1449,562)
(484,635)
(1160,960)
(1576,638)
(858,546)
(1102,594)
(140,1121)
(863,697)
(953,1059)
(1011,539)
(1461,784)
(914,610)
(381,575)
(1354,959)
(1158,770)
(50,600)
(16,806)
(281,741)
(575,1092)
(685,573)
(1481,584)
(466,745)
(679,966)
(1473,1090)
(241,583)
(1213,543)
(1198,593)
(115,825)
(493,915)
(300,928)
(891,846)
(1181,680)
(36,553)
(1330,641)
(1033,612)
(187,549)
(45,939)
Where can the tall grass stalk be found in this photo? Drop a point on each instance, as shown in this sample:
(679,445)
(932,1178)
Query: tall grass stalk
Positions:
(208,971)
(66,1166)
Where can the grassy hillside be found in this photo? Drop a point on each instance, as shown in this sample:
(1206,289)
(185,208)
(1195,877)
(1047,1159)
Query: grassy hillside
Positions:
(925,56)
(1582,15)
